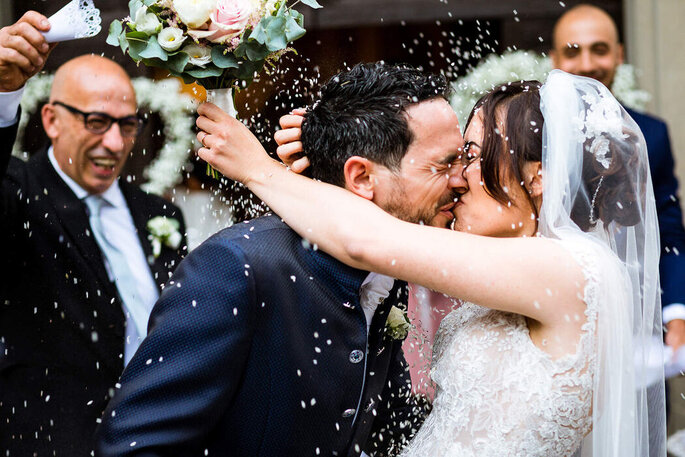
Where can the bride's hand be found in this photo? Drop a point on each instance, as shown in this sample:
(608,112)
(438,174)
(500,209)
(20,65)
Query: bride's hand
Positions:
(228,145)
(288,138)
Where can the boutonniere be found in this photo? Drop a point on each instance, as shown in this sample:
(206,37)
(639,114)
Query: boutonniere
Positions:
(397,326)
(163,231)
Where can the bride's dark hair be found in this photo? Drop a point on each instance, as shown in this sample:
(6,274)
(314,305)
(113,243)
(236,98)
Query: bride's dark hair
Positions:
(513,126)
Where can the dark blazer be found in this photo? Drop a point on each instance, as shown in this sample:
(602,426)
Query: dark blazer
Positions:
(61,321)
(672,233)
(257,347)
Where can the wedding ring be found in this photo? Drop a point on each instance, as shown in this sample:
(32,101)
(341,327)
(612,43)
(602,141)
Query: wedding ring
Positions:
(202,141)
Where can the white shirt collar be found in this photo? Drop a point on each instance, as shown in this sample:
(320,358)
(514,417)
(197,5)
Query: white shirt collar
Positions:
(112,195)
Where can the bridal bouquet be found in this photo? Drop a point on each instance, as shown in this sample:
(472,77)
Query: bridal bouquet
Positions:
(220,44)
(217,43)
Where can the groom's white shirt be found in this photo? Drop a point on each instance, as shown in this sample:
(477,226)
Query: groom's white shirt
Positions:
(375,288)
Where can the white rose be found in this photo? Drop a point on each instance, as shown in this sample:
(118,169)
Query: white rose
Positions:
(194,13)
(146,22)
(171,38)
(199,55)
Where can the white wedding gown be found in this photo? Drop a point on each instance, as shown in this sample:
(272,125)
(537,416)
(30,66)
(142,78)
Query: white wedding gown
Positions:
(497,394)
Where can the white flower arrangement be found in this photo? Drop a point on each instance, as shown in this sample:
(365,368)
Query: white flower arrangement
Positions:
(397,326)
(163,231)
(528,65)
(176,112)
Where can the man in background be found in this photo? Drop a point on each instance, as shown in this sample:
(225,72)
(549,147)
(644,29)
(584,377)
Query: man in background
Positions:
(585,43)
(79,273)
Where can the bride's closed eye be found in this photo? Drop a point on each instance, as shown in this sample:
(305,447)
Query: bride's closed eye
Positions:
(470,153)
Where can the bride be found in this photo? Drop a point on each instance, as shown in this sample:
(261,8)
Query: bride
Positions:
(548,355)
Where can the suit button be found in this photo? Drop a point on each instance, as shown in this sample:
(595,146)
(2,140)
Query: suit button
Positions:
(356,356)
(349,412)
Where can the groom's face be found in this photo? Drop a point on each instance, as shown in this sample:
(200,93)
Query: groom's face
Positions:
(420,191)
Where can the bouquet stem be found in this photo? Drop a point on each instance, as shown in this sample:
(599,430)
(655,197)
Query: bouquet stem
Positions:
(224,99)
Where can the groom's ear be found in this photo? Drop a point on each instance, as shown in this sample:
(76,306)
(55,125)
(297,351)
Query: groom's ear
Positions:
(359,176)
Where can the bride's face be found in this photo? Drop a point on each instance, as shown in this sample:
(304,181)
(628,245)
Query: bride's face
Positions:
(476,211)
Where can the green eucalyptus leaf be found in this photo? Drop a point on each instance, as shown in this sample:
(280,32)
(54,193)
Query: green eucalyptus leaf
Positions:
(208,72)
(134,6)
(276,34)
(154,51)
(135,48)
(293,30)
(312,4)
(223,60)
(255,51)
(259,32)
(115,29)
(137,36)
(241,50)
(178,62)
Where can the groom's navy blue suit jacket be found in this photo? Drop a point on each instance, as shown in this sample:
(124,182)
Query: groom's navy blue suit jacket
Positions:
(257,347)
(672,233)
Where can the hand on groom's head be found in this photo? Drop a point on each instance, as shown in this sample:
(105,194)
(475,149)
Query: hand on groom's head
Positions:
(23,50)
(290,149)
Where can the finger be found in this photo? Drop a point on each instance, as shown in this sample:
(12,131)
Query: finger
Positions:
(290,121)
(26,49)
(212,112)
(287,136)
(290,152)
(12,57)
(206,124)
(37,20)
(33,37)
(300,165)
(299,111)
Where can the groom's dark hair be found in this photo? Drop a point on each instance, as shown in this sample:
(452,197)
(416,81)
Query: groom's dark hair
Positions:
(361,112)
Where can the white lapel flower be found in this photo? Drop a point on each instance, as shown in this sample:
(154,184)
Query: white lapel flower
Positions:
(397,326)
(163,231)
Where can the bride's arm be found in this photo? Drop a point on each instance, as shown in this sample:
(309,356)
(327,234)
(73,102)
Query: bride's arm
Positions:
(530,276)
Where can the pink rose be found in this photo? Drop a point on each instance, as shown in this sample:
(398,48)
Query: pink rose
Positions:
(231,18)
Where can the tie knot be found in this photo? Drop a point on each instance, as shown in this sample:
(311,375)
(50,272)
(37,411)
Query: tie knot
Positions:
(95,204)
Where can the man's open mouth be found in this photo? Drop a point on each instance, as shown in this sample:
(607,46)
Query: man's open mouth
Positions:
(107,164)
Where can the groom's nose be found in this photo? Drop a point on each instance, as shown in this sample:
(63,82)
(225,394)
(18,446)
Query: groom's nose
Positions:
(456,180)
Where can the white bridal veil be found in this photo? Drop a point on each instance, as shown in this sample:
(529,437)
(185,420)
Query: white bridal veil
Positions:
(597,186)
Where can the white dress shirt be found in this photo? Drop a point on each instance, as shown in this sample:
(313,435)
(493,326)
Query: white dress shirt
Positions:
(9,107)
(120,230)
(375,288)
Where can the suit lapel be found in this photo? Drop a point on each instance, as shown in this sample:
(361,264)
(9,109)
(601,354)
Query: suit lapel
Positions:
(141,214)
(72,216)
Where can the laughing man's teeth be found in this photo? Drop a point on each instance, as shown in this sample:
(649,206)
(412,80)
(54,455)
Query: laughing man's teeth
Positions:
(105,163)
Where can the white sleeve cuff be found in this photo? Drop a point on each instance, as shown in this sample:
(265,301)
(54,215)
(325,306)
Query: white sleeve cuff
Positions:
(673,311)
(9,107)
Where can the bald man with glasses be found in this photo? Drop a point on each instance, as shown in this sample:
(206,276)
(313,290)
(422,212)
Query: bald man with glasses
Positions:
(79,275)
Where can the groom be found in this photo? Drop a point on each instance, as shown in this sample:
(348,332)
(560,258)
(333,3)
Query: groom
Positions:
(261,345)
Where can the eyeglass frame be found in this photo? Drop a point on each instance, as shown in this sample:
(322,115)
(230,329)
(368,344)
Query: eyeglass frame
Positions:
(111,119)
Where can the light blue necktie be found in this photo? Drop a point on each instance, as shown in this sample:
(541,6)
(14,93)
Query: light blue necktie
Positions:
(123,277)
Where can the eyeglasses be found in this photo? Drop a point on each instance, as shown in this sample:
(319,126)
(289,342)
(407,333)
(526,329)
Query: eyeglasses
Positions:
(100,123)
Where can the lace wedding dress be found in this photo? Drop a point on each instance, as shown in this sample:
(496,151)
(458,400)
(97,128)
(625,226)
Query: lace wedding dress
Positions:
(497,394)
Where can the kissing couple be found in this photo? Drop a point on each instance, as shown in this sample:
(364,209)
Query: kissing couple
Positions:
(271,337)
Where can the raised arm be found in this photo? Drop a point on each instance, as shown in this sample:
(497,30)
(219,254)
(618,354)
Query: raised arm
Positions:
(509,274)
